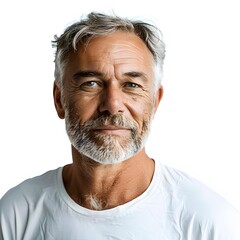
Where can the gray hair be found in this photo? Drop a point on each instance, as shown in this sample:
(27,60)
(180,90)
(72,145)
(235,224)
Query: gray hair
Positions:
(98,24)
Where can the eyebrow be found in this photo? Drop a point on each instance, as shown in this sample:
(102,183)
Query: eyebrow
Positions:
(135,74)
(87,73)
(90,73)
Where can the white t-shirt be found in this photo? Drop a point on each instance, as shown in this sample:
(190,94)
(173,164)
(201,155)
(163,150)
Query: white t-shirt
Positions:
(174,207)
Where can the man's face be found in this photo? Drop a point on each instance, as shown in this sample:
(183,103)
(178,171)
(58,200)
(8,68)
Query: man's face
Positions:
(109,97)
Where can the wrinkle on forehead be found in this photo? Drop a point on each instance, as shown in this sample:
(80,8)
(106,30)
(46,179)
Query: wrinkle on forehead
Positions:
(120,45)
(119,52)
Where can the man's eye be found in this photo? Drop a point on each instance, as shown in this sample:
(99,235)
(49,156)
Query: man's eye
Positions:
(132,85)
(89,84)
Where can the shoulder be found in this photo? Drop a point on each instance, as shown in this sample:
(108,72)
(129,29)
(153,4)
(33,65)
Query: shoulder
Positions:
(25,203)
(30,190)
(197,203)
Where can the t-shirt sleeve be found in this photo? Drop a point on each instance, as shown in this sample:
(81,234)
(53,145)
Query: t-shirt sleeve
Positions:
(227,225)
(223,225)
(207,215)
(13,215)
(201,213)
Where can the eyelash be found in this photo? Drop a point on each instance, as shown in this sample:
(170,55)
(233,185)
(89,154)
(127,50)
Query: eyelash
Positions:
(88,83)
(132,83)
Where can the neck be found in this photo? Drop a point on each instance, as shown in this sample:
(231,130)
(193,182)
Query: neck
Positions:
(96,186)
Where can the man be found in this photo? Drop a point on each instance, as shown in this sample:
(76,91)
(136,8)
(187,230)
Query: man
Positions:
(108,87)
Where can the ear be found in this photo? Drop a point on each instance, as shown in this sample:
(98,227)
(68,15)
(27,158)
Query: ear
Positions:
(158,97)
(58,101)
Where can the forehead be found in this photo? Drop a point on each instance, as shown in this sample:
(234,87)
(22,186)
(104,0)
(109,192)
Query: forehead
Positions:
(117,48)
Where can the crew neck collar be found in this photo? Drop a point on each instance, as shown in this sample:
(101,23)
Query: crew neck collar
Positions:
(112,212)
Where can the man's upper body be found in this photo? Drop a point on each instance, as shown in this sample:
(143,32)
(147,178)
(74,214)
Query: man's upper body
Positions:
(107,86)
(174,206)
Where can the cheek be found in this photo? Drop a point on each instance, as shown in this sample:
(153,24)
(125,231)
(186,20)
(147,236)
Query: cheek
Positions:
(141,109)
(81,109)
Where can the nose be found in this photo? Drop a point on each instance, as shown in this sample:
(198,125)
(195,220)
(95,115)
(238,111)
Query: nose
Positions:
(112,100)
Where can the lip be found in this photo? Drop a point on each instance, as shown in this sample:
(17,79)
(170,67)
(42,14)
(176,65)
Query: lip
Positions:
(110,129)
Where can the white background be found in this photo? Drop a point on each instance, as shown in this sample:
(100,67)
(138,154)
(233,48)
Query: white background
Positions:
(197,126)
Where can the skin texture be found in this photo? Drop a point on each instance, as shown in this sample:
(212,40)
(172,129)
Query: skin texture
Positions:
(111,75)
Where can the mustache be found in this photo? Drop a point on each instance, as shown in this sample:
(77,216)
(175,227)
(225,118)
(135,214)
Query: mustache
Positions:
(117,120)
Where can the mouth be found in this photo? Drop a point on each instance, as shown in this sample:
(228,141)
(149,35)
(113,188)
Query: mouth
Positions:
(111,130)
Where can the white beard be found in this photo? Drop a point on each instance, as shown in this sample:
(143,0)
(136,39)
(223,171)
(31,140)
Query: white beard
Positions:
(106,149)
